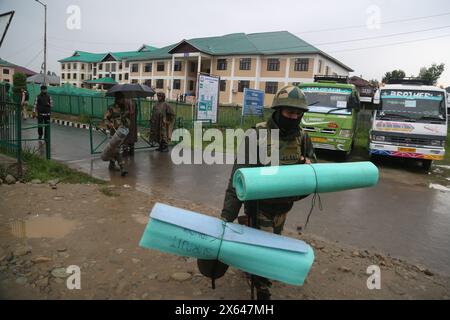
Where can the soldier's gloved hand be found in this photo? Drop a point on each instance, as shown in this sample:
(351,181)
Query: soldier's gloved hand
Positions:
(225,219)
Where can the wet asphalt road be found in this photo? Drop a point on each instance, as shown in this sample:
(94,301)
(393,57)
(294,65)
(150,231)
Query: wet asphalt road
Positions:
(401,216)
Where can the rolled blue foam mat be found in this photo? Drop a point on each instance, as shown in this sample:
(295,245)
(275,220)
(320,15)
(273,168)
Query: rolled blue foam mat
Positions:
(303,179)
(187,233)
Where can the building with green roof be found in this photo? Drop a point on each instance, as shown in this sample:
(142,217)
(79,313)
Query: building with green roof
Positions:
(266,61)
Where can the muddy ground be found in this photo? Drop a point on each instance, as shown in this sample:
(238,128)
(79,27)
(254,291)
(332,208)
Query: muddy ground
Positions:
(98,229)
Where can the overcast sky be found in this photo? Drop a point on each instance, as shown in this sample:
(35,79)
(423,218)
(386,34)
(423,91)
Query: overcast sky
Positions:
(113,25)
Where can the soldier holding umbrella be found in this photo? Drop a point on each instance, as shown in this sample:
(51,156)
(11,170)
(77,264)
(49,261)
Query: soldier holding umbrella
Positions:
(118,120)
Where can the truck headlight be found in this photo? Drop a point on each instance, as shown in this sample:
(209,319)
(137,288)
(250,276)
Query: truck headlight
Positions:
(437,143)
(345,133)
(378,138)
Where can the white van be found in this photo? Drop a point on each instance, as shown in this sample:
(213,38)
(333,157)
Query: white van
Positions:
(410,121)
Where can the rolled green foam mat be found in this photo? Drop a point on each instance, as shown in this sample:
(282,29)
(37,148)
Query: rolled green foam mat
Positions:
(186,233)
(303,179)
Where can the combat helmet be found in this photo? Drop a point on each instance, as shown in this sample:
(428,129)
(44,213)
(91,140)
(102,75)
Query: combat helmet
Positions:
(290,96)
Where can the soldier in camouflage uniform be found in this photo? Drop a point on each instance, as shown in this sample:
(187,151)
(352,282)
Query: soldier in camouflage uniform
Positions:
(161,122)
(295,147)
(116,116)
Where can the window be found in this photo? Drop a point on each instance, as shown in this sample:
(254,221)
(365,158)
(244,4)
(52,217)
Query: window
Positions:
(193,67)
(177,84)
(223,85)
(271,87)
(120,66)
(6,80)
(148,82)
(320,66)
(148,67)
(191,85)
(327,70)
(107,67)
(74,75)
(113,67)
(126,76)
(100,66)
(95,72)
(127,64)
(68,76)
(160,67)
(113,76)
(273,64)
(5,71)
(242,84)
(63,66)
(82,66)
(134,81)
(177,66)
(75,65)
(120,77)
(100,76)
(159,83)
(245,64)
(62,75)
(82,76)
(301,65)
(134,67)
(222,64)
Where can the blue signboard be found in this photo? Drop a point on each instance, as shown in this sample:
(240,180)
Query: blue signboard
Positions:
(253,103)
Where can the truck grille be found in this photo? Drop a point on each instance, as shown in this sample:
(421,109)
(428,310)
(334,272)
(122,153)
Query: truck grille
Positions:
(408,140)
(323,130)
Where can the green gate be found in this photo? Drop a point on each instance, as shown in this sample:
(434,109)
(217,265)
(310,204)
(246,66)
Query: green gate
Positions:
(11,129)
(143,114)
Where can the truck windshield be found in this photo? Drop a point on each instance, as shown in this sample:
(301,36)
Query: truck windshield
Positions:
(328,100)
(413,104)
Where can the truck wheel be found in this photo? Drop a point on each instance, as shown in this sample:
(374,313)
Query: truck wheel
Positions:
(345,155)
(374,158)
(426,164)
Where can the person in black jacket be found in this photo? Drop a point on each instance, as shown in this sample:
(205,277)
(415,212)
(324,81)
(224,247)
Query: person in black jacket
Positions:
(42,107)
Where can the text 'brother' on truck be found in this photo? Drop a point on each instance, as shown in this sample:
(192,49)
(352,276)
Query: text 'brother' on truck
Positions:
(410,121)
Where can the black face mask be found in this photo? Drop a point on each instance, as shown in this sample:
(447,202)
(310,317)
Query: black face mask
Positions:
(286,125)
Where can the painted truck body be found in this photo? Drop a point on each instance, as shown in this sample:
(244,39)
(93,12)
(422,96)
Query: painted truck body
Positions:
(410,122)
(331,121)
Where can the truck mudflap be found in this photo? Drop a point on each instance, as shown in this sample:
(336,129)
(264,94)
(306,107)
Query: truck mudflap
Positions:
(406,152)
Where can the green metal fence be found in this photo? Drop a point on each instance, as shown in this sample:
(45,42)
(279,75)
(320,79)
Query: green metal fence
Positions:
(96,107)
(11,129)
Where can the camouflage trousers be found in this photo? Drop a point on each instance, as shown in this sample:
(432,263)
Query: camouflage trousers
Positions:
(273,224)
(117,156)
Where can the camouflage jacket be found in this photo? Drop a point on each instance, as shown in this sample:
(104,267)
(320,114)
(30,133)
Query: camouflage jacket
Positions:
(291,150)
(117,116)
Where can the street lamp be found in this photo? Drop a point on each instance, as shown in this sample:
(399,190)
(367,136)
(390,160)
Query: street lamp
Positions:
(45,41)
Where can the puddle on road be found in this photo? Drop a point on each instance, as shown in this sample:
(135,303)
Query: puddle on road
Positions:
(438,187)
(42,227)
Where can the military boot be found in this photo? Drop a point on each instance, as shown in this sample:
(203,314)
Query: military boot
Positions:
(112,165)
(263,294)
(123,171)
(163,147)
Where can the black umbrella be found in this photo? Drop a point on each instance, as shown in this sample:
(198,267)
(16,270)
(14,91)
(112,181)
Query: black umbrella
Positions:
(131,90)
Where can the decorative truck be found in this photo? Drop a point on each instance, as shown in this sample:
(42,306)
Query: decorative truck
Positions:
(410,121)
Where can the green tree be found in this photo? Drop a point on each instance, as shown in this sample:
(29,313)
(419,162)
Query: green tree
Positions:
(432,73)
(395,74)
(19,82)
(375,83)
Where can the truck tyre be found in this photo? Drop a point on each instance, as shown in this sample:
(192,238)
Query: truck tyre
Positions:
(426,164)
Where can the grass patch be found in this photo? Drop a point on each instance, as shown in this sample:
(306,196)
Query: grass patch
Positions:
(45,170)
(107,191)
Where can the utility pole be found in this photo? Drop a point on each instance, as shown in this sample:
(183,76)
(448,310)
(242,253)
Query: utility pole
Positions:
(45,40)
